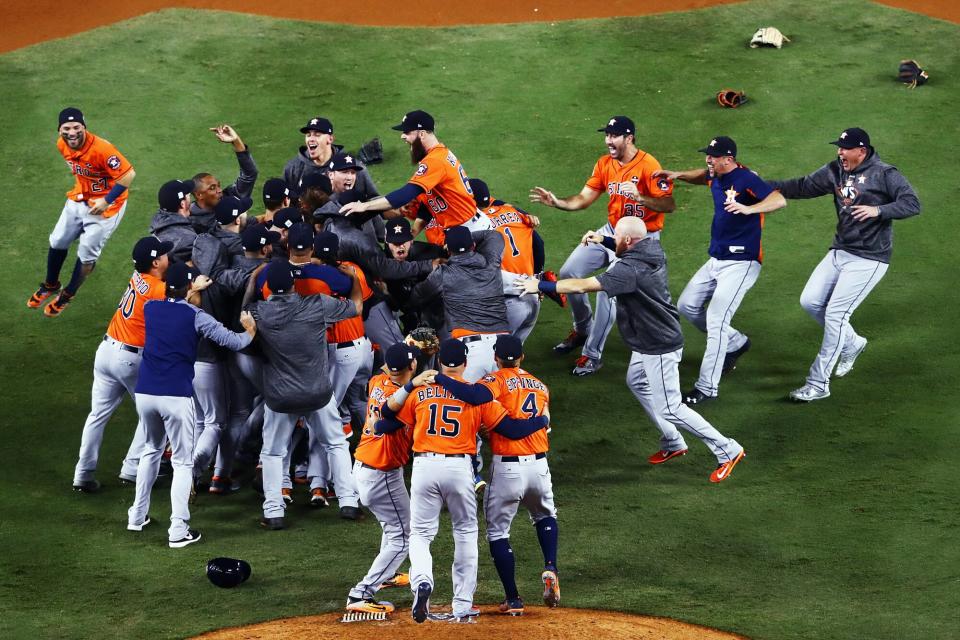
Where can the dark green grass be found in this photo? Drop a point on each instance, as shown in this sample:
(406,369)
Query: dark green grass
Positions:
(842,521)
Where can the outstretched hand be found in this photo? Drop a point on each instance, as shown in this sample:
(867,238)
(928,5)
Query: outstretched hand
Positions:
(225,133)
(543,196)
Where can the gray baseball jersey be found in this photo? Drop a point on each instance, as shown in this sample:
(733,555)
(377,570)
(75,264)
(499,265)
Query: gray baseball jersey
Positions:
(170,226)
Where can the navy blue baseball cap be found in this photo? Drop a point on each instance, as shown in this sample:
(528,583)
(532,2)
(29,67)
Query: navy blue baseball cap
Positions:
(317,124)
(853,138)
(481,192)
(415,121)
(256,236)
(230,207)
(274,191)
(179,275)
(399,356)
(326,244)
(508,348)
(300,236)
(287,217)
(316,180)
(720,146)
(619,126)
(70,114)
(279,277)
(458,239)
(453,353)
(343,162)
(147,250)
(172,193)
(398,231)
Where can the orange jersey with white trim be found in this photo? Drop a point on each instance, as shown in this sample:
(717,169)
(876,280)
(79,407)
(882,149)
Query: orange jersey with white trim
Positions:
(128,325)
(449,195)
(609,173)
(523,395)
(95,167)
(386,451)
(443,424)
(517,231)
(351,328)
(433,232)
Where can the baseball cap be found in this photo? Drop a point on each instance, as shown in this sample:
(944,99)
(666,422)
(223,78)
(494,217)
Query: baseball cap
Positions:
(458,239)
(300,236)
(508,348)
(619,126)
(256,236)
(147,250)
(287,217)
(317,180)
(70,114)
(481,192)
(317,123)
(274,191)
(453,353)
(342,162)
(398,231)
(172,193)
(326,243)
(279,277)
(230,207)
(415,120)
(179,275)
(853,138)
(400,355)
(720,146)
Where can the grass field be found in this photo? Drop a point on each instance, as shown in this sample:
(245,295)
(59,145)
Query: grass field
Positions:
(841,523)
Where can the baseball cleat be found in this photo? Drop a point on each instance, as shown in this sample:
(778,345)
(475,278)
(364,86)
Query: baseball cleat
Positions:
(273,524)
(808,393)
(125,479)
(512,606)
(56,306)
(192,536)
(220,485)
(287,495)
(421,602)
(479,484)
(586,365)
(40,295)
(730,359)
(571,342)
(695,396)
(87,486)
(139,527)
(467,617)
(398,580)
(351,513)
(318,498)
(559,298)
(369,605)
(551,588)
(847,360)
(723,471)
(662,456)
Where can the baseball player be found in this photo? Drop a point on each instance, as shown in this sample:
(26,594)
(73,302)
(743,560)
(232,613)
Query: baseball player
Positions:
(314,158)
(868,195)
(117,363)
(520,471)
(439,176)
(444,440)
(650,325)
(165,394)
(276,195)
(626,175)
(94,208)
(207,189)
(712,296)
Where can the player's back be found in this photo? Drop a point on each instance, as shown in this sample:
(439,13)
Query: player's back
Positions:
(128,325)
(385,451)
(523,395)
(517,231)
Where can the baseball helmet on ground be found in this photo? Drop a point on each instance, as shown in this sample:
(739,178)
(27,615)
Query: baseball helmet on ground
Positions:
(227,572)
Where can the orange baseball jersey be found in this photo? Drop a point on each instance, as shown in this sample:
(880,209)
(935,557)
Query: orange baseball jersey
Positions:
(449,195)
(517,231)
(386,451)
(127,325)
(351,328)
(95,166)
(433,232)
(443,424)
(609,173)
(523,395)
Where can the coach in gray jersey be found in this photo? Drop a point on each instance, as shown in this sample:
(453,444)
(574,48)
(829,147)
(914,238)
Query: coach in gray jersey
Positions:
(650,325)
(868,195)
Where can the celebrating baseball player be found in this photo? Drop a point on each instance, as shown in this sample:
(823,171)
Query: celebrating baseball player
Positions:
(94,208)
(626,174)
(650,325)
(868,195)
(207,190)
(712,296)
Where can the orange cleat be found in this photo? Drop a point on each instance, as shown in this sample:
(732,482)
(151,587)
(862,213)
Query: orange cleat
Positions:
(723,471)
(40,295)
(662,456)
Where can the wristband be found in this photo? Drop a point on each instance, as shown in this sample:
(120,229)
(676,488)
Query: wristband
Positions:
(547,287)
(401,394)
(115,193)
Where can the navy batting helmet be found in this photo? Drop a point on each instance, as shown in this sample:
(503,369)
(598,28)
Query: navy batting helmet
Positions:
(227,572)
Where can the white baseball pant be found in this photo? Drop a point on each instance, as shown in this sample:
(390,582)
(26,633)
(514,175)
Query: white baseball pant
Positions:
(93,231)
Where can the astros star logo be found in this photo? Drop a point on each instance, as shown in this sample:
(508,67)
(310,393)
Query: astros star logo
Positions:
(314,121)
(348,159)
(861,179)
(731,195)
(612,122)
(713,143)
(843,136)
(397,229)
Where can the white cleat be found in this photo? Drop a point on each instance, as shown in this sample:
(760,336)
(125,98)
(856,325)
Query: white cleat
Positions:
(808,393)
(847,359)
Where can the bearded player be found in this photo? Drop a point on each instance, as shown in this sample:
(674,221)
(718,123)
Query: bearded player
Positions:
(94,208)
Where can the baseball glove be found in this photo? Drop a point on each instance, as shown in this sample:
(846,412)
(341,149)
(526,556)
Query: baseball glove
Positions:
(730,98)
(911,74)
(425,339)
(371,152)
(768,37)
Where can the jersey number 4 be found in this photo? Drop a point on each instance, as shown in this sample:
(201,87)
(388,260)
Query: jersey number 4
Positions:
(444,417)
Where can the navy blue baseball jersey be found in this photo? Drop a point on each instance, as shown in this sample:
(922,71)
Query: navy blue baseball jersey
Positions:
(734,236)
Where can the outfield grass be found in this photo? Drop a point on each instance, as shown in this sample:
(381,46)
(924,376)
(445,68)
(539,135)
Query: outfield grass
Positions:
(842,521)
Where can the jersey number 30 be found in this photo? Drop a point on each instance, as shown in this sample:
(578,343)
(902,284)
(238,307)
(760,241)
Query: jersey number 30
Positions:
(444,417)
